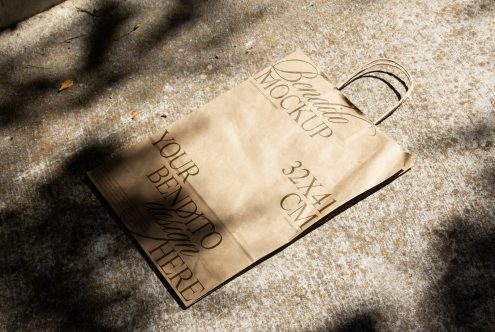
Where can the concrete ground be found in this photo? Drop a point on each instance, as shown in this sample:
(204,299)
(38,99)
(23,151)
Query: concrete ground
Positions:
(417,255)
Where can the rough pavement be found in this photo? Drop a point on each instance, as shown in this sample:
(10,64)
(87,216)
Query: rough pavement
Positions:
(417,255)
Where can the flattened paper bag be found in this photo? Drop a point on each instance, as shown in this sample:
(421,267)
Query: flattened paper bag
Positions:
(246,174)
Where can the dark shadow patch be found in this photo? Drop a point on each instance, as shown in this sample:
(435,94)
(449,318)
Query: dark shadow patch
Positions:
(466,299)
(11,27)
(49,272)
(362,322)
(105,31)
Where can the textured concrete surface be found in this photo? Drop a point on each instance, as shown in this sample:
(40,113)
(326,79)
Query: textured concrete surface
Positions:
(417,255)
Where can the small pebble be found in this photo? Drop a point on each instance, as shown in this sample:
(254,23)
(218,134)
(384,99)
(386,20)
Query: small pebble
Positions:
(249,44)
(202,76)
(8,138)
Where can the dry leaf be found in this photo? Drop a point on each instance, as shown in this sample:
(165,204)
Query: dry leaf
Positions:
(67,84)
(133,115)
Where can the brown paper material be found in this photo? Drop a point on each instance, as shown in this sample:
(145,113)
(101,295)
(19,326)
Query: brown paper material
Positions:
(246,174)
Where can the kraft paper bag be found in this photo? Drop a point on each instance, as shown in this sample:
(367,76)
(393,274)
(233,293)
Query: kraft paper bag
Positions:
(248,173)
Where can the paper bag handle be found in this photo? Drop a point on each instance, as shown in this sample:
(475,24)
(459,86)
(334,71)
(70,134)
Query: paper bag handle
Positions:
(383,62)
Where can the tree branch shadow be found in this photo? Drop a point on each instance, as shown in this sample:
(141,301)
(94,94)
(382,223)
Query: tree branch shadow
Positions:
(110,58)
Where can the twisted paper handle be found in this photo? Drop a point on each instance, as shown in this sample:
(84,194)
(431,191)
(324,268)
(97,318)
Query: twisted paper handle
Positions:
(383,62)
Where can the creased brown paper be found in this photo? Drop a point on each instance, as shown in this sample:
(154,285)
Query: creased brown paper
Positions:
(246,174)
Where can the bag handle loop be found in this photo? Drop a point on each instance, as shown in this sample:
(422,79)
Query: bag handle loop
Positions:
(365,71)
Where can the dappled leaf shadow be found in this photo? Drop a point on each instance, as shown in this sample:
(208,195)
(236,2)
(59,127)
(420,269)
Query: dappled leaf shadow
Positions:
(55,253)
(107,58)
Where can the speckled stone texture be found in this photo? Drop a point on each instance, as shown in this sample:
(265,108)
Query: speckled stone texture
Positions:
(417,255)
